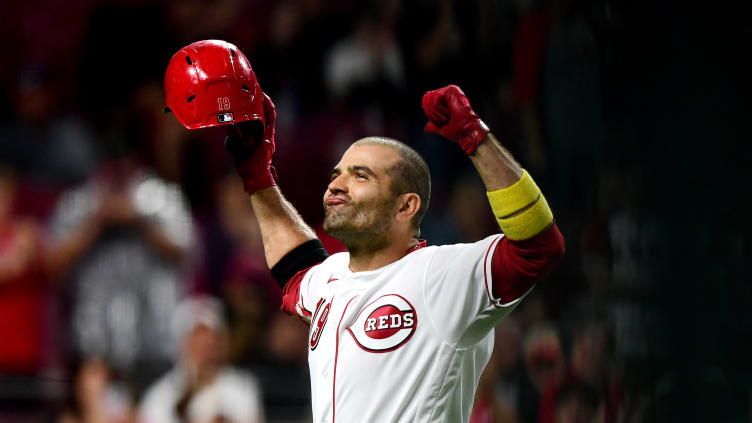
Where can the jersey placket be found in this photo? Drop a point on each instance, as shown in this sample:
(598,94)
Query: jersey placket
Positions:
(338,338)
(323,357)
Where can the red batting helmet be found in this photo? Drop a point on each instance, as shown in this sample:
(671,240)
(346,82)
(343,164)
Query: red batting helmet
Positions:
(211,83)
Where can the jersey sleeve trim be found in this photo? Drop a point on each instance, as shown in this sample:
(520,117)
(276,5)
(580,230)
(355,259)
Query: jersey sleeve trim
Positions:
(515,266)
(487,270)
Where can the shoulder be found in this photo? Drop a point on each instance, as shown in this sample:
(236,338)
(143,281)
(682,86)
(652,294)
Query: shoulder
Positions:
(161,394)
(168,383)
(337,259)
(238,386)
(451,250)
(334,263)
(237,377)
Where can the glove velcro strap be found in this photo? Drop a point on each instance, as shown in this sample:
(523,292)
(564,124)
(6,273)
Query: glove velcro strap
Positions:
(473,136)
(514,198)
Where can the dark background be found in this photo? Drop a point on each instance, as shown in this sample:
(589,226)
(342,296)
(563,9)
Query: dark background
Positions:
(629,115)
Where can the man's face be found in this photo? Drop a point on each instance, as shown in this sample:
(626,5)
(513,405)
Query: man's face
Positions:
(204,347)
(358,203)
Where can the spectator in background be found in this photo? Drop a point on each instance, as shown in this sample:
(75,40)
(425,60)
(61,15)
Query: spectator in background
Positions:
(544,363)
(464,218)
(95,397)
(118,244)
(247,288)
(557,92)
(283,371)
(22,285)
(514,388)
(578,403)
(366,68)
(201,387)
(498,389)
(587,370)
(49,146)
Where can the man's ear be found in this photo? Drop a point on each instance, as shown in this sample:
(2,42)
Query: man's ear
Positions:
(408,206)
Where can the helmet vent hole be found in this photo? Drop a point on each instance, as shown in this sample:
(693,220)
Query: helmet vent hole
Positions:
(232,53)
(191,98)
(246,89)
(188,59)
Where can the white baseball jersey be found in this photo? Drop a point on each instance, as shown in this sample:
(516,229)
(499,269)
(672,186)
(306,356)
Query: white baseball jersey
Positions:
(403,343)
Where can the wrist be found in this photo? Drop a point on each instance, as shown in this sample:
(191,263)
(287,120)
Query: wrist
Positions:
(473,135)
(259,181)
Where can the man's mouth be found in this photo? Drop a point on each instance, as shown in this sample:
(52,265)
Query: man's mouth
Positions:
(333,201)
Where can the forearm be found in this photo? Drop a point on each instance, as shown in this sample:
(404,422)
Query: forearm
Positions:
(495,164)
(533,244)
(516,201)
(64,254)
(282,228)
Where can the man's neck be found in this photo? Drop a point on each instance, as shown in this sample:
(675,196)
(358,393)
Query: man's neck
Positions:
(364,260)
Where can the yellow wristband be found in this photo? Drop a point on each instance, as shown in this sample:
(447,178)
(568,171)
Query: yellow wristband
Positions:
(513,198)
(529,223)
(509,200)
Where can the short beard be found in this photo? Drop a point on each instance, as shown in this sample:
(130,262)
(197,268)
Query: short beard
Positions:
(365,227)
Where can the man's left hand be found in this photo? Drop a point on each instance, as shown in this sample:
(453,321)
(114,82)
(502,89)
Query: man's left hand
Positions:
(253,156)
(450,115)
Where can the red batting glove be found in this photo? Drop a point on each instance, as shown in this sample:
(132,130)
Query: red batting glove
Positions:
(253,157)
(450,115)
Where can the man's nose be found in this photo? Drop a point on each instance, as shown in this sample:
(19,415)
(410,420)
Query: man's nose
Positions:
(338,184)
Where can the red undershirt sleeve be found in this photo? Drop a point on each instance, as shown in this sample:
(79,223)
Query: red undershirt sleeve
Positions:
(516,265)
(293,301)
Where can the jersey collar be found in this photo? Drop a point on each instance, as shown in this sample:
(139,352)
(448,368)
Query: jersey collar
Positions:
(421,244)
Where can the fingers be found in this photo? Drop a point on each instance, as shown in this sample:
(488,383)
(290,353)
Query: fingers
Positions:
(440,114)
(454,90)
(435,108)
(431,128)
(237,146)
(270,114)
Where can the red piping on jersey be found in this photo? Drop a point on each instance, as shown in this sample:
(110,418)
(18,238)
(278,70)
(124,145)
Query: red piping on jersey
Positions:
(485,272)
(336,354)
(421,244)
(302,308)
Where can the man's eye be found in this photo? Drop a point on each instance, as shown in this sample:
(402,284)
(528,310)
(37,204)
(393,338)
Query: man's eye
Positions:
(362,175)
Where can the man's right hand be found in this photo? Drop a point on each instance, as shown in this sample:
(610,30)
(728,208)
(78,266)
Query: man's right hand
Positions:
(253,151)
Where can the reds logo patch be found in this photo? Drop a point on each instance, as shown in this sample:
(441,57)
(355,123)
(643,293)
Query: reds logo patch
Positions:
(385,324)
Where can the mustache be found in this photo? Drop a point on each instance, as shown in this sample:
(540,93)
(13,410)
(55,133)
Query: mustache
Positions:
(346,198)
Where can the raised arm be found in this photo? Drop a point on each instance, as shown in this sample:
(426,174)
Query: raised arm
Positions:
(517,203)
(533,243)
(282,228)
(211,83)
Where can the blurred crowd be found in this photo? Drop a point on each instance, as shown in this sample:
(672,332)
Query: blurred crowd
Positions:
(133,284)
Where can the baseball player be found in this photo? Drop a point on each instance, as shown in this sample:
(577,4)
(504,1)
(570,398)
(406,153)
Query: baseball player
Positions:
(399,331)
